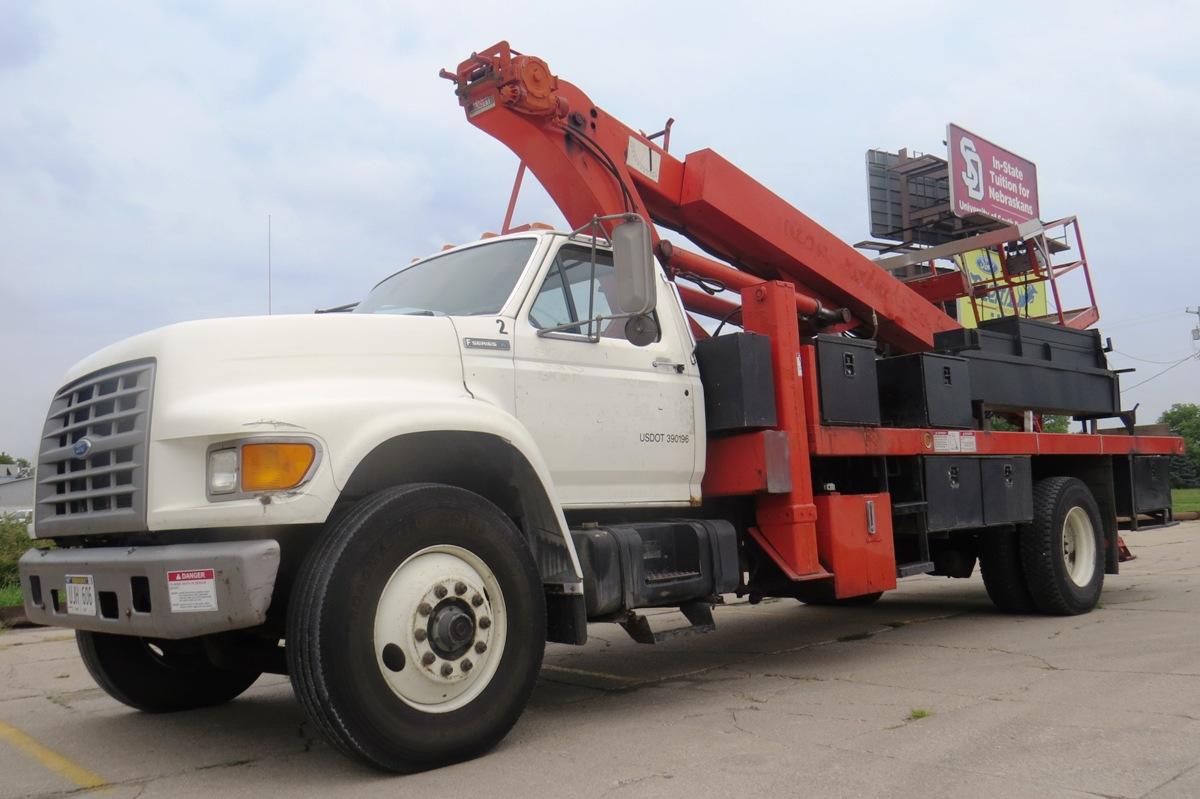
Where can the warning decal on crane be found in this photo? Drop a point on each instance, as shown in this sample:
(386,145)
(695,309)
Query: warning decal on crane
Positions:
(481,105)
(641,157)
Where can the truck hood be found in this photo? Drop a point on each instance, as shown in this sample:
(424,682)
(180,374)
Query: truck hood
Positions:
(313,338)
(231,373)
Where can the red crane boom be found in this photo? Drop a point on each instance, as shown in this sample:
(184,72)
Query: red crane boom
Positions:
(593,165)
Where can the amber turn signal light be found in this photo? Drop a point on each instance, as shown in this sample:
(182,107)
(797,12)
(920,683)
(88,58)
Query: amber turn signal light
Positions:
(275,467)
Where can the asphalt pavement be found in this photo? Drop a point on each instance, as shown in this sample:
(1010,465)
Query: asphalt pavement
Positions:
(929,693)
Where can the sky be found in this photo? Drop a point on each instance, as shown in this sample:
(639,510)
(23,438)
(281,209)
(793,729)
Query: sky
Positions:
(143,146)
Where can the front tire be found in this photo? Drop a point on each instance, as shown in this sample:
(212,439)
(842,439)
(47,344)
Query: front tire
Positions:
(158,676)
(1063,549)
(417,628)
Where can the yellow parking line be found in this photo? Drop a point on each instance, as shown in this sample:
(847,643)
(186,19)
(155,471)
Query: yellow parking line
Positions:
(585,673)
(49,758)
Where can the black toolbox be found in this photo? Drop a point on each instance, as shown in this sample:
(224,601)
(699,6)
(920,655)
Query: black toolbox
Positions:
(1143,483)
(977,491)
(739,386)
(847,381)
(953,493)
(925,390)
(1007,490)
(1025,364)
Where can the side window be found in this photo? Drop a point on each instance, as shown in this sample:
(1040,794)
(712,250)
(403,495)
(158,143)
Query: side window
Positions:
(550,309)
(576,266)
(570,295)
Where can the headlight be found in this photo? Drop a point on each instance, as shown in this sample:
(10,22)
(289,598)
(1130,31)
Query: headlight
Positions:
(238,468)
(223,471)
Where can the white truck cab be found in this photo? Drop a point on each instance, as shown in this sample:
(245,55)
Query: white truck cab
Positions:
(375,501)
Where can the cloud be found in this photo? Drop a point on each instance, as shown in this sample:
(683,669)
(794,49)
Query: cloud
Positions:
(23,35)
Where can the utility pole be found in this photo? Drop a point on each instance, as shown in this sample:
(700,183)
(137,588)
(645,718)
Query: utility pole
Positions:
(268,264)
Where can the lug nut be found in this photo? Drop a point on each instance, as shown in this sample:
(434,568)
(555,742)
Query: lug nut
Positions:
(484,622)
(440,591)
(420,634)
(466,665)
(480,647)
(424,609)
(477,600)
(428,658)
(460,588)
(447,669)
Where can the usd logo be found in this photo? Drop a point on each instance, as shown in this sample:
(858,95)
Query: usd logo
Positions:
(972,175)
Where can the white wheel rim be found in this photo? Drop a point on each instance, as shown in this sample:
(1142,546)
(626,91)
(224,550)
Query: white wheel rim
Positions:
(435,584)
(1079,546)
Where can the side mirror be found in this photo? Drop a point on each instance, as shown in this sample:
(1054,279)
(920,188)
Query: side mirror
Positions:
(634,266)
(641,330)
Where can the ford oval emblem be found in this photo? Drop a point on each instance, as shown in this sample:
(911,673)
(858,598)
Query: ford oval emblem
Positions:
(82,447)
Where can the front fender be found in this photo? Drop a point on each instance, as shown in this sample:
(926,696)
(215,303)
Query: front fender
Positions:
(458,415)
(349,417)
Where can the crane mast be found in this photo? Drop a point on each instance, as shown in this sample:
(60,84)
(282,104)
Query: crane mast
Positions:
(592,164)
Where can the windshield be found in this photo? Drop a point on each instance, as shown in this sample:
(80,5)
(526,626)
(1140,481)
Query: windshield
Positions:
(476,280)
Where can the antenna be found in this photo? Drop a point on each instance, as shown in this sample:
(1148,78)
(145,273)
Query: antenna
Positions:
(268,264)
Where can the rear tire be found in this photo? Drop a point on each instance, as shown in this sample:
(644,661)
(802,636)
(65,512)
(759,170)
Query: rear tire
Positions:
(158,676)
(1063,549)
(388,617)
(1003,572)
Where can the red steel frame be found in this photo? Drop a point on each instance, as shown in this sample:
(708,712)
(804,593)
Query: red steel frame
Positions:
(791,272)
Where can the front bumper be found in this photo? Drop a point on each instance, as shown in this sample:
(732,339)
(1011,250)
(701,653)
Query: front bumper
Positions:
(175,591)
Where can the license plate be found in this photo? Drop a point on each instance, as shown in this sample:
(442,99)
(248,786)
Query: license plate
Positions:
(81,595)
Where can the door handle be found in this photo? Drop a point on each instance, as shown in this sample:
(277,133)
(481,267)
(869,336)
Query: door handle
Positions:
(667,363)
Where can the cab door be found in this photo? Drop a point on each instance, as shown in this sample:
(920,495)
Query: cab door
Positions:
(615,422)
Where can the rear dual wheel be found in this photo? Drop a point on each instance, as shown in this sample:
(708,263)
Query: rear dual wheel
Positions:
(1062,551)
(1055,564)
(417,628)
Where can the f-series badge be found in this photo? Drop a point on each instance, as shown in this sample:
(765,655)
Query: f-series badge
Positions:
(486,343)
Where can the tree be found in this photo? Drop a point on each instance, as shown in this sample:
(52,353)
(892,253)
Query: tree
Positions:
(1056,424)
(1184,473)
(24,467)
(1050,423)
(1183,419)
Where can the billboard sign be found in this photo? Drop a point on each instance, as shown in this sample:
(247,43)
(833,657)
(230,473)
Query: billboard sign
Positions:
(983,266)
(986,180)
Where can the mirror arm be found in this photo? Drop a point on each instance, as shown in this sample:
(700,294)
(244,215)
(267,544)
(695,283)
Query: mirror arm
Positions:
(592,226)
(548,332)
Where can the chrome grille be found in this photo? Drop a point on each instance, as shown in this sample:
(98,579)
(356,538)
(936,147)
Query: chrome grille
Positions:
(91,475)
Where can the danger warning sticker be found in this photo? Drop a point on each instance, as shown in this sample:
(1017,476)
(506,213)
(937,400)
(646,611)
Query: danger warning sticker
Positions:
(192,590)
(954,441)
